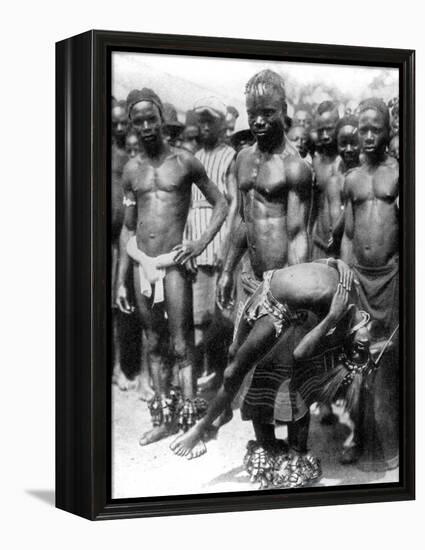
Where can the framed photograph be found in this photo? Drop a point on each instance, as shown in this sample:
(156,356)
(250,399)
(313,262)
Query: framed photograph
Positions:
(235,274)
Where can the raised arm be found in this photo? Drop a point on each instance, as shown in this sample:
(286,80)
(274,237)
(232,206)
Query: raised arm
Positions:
(210,191)
(309,344)
(299,177)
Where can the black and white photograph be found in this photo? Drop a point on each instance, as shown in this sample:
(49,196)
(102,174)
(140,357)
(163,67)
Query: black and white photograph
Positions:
(254,256)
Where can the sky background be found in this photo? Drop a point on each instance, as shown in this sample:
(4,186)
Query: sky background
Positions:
(182,80)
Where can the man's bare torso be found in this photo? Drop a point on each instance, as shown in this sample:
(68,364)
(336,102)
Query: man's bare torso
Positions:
(118,161)
(263,182)
(162,193)
(373,194)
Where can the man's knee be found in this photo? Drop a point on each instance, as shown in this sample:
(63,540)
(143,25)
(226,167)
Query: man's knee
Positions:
(153,341)
(181,351)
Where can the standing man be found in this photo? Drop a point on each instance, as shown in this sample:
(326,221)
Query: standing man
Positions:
(275,185)
(157,191)
(371,246)
(217,159)
(126,331)
(326,165)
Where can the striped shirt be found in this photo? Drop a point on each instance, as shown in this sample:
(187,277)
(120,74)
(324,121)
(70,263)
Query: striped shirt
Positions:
(216,163)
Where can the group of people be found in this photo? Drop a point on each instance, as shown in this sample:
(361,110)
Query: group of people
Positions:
(258,270)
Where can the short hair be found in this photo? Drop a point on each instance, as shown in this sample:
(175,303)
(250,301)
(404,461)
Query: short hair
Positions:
(327,106)
(120,103)
(146,94)
(378,105)
(347,120)
(267,80)
(232,111)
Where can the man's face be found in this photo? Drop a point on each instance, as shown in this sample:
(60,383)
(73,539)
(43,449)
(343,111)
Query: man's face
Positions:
(299,137)
(119,123)
(373,132)
(266,117)
(394,148)
(147,122)
(210,128)
(302,118)
(348,144)
(132,147)
(326,126)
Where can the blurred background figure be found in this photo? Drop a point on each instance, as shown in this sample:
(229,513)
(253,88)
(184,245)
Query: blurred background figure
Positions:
(299,136)
(232,114)
(393,149)
(172,128)
(190,136)
(132,146)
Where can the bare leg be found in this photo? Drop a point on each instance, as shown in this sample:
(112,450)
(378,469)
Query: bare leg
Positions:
(144,388)
(256,345)
(154,325)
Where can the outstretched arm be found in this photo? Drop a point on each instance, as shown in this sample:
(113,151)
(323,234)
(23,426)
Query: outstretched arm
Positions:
(299,176)
(215,198)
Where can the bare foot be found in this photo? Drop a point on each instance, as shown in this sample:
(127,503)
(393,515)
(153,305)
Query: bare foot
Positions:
(157,433)
(124,383)
(144,390)
(189,444)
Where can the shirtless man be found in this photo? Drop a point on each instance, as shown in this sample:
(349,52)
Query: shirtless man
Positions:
(336,333)
(274,184)
(326,164)
(370,245)
(126,331)
(298,135)
(157,189)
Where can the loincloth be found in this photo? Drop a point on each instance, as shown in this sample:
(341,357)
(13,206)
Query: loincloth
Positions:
(379,292)
(268,397)
(152,270)
(262,303)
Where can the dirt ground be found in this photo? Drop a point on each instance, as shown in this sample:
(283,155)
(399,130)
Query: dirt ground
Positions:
(155,471)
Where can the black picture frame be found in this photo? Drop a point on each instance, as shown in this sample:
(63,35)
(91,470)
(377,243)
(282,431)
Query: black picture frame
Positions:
(83,462)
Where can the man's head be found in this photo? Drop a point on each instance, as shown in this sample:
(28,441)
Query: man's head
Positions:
(190,134)
(119,122)
(298,135)
(347,132)
(394,149)
(132,147)
(266,108)
(172,127)
(374,126)
(326,120)
(145,113)
(302,117)
(211,114)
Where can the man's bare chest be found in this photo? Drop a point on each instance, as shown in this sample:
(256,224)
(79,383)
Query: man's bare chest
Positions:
(170,176)
(264,176)
(381,185)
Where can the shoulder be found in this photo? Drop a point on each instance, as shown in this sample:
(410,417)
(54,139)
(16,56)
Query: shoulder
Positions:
(298,172)
(351,177)
(244,154)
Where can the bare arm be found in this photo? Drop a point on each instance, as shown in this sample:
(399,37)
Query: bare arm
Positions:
(215,198)
(347,238)
(336,212)
(128,230)
(299,177)
(232,197)
(308,345)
